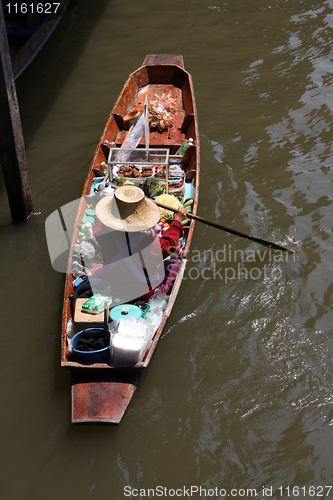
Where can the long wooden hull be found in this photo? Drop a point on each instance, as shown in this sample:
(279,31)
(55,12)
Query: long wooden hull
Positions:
(100,391)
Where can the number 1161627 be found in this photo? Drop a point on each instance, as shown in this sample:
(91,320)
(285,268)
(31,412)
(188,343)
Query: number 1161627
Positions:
(33,7)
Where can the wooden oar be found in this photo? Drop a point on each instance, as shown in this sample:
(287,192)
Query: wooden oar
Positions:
(266,243)
(227,229)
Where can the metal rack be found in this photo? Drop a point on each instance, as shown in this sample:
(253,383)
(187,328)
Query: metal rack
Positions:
(140,157)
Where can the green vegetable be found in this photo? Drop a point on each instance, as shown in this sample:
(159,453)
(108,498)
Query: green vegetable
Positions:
(188,204)
(168,217)
(161,189)
(149,187)
(185,221)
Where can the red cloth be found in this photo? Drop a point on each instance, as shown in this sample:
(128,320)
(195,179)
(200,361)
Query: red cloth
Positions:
(169,241)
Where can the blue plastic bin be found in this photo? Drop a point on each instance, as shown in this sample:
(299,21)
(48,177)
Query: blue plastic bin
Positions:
(89,357)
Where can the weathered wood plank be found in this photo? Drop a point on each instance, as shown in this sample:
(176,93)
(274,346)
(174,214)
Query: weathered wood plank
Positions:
(12,150)
(100,401)
(151,59)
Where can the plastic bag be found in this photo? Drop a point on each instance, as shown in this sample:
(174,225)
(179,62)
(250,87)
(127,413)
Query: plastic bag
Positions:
(130,339)
(158,301)
(161,112)
(96,303)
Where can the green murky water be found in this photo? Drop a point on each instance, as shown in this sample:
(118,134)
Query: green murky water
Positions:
(238,396)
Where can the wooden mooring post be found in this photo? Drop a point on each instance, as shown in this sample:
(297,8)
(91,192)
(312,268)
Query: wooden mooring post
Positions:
(12,150)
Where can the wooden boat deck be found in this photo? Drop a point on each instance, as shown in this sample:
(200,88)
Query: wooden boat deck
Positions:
(172,136)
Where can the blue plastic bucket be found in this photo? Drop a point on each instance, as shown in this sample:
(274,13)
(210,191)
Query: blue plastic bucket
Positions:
(99,356)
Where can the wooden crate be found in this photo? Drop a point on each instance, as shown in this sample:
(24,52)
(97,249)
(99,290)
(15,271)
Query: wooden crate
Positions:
(85,318)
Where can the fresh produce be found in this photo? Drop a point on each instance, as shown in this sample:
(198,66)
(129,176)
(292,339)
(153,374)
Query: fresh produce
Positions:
(188,205)
(161,189)
(157,230)
(171,201)
(150,187)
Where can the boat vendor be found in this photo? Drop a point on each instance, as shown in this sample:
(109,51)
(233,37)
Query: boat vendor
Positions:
(132,257)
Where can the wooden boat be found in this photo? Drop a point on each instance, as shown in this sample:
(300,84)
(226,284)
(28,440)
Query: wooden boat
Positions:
(29,25)
(101,392)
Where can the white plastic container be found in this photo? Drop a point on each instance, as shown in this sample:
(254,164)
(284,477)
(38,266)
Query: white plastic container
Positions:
(131,340)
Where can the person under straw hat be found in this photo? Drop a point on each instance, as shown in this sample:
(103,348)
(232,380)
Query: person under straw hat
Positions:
(128,210)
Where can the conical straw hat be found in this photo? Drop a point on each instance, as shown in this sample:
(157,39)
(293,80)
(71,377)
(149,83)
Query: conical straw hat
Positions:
(128,210)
